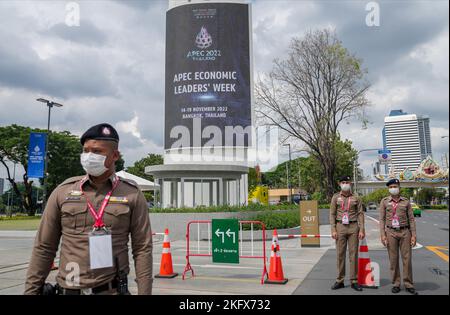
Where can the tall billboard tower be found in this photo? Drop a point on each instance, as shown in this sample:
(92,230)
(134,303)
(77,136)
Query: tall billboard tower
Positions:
(208,105)
(208,88)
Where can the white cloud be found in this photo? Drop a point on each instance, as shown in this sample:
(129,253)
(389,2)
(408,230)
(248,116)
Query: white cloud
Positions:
(130,127)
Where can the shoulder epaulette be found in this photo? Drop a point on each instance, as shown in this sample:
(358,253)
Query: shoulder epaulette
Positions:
(71,180)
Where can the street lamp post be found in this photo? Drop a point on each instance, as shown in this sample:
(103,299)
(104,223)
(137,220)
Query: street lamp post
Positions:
(355,166)
(13,192)
(50,105)
(288,177)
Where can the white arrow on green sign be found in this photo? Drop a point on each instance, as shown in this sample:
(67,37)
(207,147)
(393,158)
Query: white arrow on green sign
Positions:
(225,241)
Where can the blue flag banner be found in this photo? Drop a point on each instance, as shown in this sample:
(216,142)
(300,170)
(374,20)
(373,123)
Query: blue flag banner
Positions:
(36,155)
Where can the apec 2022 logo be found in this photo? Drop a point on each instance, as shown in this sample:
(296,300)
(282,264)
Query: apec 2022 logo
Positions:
(203,41)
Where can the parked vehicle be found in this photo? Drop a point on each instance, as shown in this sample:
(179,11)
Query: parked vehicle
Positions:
(372,206)
(416,210)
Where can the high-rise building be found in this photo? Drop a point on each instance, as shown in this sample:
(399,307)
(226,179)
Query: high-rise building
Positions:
(424,136)
(408,137)
(377,168)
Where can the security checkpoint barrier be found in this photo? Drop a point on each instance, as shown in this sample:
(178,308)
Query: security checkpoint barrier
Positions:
(160,236)
(189,253)
(304,236)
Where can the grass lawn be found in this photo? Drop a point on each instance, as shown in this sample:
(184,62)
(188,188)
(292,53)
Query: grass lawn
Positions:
(19,225)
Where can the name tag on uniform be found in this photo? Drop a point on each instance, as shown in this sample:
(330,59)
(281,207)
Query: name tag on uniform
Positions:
(345,219)
(115,199)
(395,222)
(100,249)
(74,195)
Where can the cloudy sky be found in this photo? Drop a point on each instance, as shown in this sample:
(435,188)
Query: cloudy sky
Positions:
(111,67)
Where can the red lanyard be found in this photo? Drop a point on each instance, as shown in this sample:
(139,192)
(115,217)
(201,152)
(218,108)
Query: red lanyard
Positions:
(349,204)
(394,207)
(99,216)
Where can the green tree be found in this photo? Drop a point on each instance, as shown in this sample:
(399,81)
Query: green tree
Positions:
(310,175)
(252,179)
(424,196)
(377,195)
(307,172)
(63,160)
(311,93)
(138,167)
(120,164)
(14,200)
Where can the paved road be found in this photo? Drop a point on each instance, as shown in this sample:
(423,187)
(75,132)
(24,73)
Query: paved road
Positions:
(432,227)
(430,262)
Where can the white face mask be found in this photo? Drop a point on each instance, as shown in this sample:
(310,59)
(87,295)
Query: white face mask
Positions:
(346,187)
(93,164)
(394,191)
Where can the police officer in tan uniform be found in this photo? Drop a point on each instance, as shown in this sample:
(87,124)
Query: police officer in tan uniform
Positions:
(93,216)
(347,228)
(398,233)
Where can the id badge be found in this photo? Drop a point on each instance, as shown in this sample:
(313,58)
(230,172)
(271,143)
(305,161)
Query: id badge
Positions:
(345,219)
(100,249)
(395,222)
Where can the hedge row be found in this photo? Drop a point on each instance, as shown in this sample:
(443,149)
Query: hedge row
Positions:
(253,207)
(276,220)
(19,217)
(435,207)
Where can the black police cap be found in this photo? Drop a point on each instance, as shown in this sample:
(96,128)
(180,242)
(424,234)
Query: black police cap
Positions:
(100,132)
(393,182)
(345,179)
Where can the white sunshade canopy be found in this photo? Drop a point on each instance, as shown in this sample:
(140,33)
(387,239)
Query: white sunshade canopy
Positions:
(144,185)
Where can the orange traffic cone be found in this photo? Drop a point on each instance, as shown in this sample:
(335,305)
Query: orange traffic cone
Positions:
(366,277)
(276,275)
(166,269)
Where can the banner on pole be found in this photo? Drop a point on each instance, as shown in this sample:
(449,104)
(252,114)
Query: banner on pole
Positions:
(36,155)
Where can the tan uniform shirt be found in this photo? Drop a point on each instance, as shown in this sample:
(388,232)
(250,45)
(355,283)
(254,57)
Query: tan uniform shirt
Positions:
(355,213)
(404,212)
(67,218)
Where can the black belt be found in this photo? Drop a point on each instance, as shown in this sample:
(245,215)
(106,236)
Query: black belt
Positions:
(398,228)
(96,290)
(340,221)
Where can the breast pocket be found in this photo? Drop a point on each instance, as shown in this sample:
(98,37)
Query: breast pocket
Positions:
(117,218)
(73,217)
(354,206)
(402,212)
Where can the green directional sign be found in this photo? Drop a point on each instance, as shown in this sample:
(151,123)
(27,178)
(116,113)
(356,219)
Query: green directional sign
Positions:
(225,241)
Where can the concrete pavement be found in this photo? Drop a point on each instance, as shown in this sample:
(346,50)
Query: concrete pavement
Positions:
(209,278)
